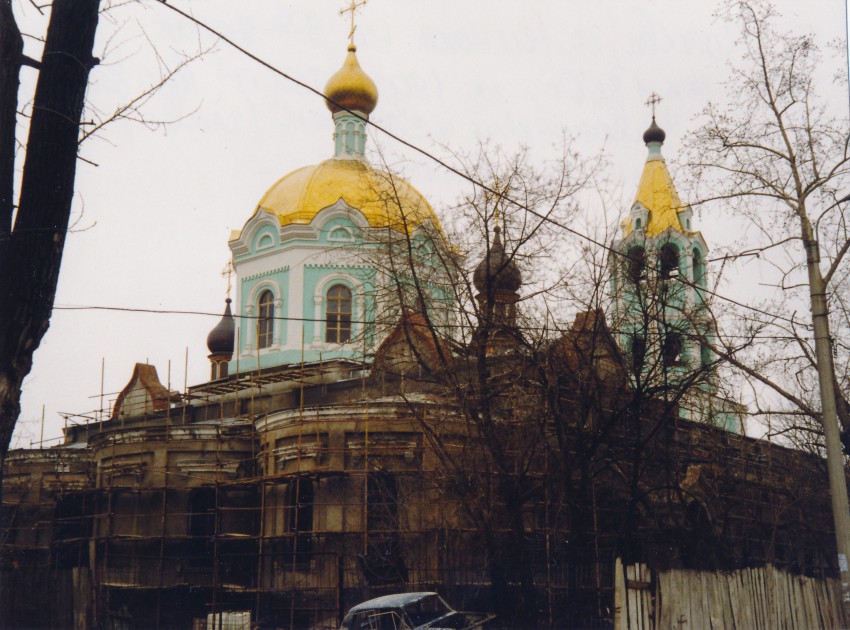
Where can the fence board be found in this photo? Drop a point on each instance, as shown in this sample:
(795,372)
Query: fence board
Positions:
(699,611)
(666,601)
(621,619)
(645,599)
(756,597)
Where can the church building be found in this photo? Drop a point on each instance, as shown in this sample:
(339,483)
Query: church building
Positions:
(350,443)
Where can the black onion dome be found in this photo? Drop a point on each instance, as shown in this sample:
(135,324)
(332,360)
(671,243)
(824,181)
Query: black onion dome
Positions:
(221,338)
(505,274)
(654,133)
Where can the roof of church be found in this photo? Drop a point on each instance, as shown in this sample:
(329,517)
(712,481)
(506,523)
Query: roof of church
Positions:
(385,200)
(657,193)
(147,379)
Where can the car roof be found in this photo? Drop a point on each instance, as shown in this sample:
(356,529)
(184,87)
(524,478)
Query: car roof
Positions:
(392,601)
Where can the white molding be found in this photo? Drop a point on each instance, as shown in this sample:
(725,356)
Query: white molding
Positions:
(260,218)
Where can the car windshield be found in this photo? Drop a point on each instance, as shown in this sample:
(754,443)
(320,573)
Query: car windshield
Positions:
(426,610)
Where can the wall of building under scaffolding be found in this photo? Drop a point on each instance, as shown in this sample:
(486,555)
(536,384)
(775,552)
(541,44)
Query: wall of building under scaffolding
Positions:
(224,504)
(291,496)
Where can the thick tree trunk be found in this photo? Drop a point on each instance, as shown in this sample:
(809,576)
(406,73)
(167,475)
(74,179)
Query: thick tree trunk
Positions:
(11,48)
(31,254)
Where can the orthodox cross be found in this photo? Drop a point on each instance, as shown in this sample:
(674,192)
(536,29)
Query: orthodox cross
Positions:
(352,8)
(226,273)
(498,198)
(501,194)
(652,101)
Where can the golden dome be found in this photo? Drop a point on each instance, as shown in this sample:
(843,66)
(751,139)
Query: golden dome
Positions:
(384,200)
(351,88)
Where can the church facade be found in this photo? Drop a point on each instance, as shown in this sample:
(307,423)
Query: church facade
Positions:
(348,444)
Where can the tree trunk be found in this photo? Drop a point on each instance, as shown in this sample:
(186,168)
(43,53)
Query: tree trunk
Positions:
(11,48)
(31,254)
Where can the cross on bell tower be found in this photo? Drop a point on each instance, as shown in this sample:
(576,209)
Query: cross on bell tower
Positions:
(652,101)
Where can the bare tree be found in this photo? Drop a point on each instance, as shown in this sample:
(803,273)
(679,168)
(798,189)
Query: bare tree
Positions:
(35,220)
(778,155)
(32,232)
(542,403)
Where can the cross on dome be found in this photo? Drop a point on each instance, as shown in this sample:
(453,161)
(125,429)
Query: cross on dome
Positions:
(651,102)
(352,8)
(227,272)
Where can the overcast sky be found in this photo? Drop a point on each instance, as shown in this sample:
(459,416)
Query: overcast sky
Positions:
(155,214)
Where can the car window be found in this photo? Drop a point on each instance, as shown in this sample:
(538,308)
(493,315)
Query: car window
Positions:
(426,610)
(381,620)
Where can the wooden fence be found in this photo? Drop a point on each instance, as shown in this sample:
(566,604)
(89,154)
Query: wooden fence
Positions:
(748,599)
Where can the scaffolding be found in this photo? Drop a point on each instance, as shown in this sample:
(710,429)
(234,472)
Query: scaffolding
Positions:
(264,497)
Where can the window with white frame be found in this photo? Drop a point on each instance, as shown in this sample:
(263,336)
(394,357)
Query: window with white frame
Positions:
(338,314)
(265,320)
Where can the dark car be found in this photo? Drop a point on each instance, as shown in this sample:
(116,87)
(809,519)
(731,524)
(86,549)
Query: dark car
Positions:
(410,611)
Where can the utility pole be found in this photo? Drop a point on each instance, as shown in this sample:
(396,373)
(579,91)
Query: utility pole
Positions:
(829,414)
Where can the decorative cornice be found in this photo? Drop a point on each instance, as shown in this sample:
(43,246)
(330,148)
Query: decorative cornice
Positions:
(337,266)
(268,272)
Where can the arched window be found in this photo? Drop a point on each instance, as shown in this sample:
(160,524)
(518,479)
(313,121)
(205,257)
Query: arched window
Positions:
(699,269)
(338,314)
(265,322)
(638,352)
(339,234)
(671,350)
(636,263)
(265,240)
(706,356)
(669,261)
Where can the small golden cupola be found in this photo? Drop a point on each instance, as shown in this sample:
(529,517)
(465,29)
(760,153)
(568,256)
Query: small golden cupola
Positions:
(351,97)
(351,88)
(300,195)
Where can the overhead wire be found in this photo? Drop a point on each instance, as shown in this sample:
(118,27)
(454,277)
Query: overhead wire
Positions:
(287,318)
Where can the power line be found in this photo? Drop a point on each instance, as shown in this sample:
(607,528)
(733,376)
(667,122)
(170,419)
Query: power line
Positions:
(286,318)
(446,165)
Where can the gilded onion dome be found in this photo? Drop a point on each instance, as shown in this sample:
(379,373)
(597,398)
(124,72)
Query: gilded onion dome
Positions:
(351,88)
(497,265)
(386,201)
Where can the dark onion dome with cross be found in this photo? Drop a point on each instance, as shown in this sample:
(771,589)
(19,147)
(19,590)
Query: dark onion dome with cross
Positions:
(654,133)
(497,265)
(220,341)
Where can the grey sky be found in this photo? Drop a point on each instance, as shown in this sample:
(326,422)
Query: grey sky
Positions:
(158,210)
